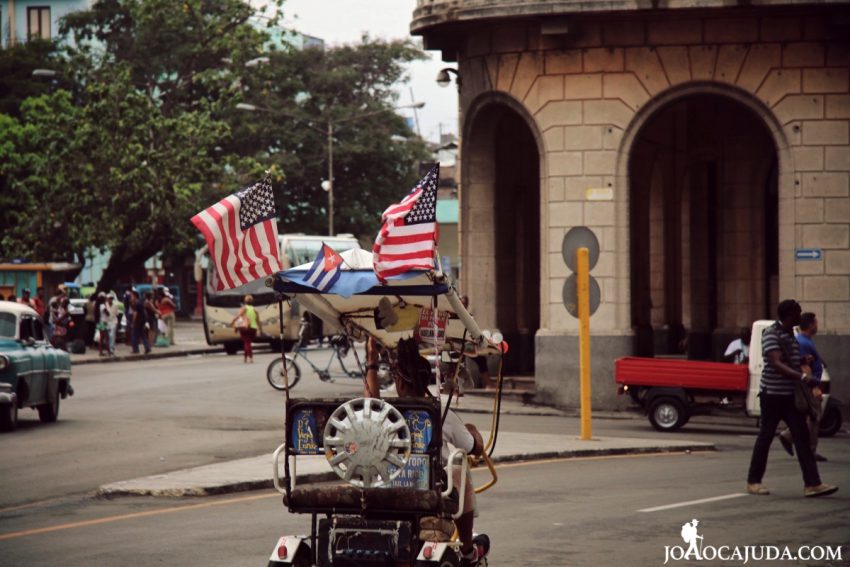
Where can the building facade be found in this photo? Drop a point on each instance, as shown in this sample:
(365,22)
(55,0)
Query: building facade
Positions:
(705,144)
(21,20)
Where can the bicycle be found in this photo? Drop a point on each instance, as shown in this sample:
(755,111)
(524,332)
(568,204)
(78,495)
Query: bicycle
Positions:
(339,344)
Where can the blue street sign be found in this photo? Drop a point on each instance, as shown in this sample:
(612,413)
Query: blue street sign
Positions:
(808,254)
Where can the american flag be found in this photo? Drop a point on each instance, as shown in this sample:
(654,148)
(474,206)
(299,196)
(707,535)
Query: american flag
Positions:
(324,272)
(241,234)
(409,233)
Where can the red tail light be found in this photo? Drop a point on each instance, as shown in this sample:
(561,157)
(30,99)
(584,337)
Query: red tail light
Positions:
(281,551)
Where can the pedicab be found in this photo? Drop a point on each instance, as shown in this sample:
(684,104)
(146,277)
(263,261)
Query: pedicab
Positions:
(398,499)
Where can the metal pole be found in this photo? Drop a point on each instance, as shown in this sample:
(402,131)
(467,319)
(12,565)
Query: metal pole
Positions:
(330,178)
(583,292)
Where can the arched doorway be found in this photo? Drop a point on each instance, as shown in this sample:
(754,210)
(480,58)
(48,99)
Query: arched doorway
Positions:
(703,207)
(501,226)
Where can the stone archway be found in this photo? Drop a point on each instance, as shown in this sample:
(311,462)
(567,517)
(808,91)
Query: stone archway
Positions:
(500,224)
(703,225)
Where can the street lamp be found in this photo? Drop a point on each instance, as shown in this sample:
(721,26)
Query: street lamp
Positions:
(444,77)
(328,184)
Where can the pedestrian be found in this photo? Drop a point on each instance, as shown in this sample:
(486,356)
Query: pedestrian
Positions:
(53,307)
(128,302)
(141,326)
(109,319)
(781,354)
(89,328)
(25,298)
(38,302)
(61,324)
(151,315)
(738,351)
(13,298)
(808,352)
(167,307)
(247,323)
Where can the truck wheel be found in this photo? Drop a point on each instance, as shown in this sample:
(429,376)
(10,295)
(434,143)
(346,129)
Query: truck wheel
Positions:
(830,423)
(8,417)
(232,348)
(667,414)
(49,412)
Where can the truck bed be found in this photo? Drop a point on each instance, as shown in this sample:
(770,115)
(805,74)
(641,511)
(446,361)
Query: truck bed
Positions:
(664,372)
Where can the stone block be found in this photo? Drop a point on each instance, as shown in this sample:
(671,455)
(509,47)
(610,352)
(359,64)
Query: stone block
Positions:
(674,32)
(508,38)
(808,210)
(575,188)
(600,163)
(837,54)
(815,27)
(780,29)
(838,106)
(731,30)
(778,84)
(583,137)
(578,87)
(507,68)
(676,63)
(478,43)
(809,268)
(557,267)
(826,184)
(564,214)
(529,67)
(799,107)
(626,87)
(760,60)
(729,61)
(563,62)
(807,158)
(826,288)
(803,54)
(559,113)
(549,88)
(612,137)
(564,163)
(837,316)
(703,60)
(553,139)
(838,262)
(826,236)
(837,158)
(623,32)
(588,34)
(603,60)
(827,80)
(826,132)
(837,210)
(556,189)
(644,63)
(555,239)
(599,214)
(607,112)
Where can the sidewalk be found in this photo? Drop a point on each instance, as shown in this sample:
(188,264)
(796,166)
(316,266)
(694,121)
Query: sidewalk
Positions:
(256,472)
(188,336)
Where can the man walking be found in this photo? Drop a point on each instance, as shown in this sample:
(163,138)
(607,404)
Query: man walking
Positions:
(140,323)
(781,354)
(808,330)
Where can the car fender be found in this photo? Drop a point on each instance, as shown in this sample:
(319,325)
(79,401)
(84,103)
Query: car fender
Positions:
(665,391)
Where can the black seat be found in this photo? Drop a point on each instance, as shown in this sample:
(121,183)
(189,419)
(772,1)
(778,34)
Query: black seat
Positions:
(347,498)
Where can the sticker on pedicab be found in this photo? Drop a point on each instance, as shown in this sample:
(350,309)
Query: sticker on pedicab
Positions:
(419,423)
(414,475)
(431,329)
(305,436)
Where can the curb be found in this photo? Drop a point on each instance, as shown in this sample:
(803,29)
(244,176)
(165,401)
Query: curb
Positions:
(151,356)
(245,486)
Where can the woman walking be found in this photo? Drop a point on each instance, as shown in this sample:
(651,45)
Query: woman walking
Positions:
(248,325)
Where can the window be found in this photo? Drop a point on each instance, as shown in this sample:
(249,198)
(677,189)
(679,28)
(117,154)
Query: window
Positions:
(38,22)
(7,325)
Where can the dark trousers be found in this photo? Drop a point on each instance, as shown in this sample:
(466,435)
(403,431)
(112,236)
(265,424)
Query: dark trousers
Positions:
(773,410)
(247,340)
(140,333)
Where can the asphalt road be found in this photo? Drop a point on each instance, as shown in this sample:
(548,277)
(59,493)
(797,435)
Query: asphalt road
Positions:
(134,419)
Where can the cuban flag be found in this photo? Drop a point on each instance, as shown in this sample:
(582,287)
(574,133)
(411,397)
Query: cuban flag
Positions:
(324,272)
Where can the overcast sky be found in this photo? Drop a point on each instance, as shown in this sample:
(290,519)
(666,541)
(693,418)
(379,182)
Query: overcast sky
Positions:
(344,21)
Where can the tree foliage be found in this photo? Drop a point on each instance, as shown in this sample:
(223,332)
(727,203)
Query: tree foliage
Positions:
(142,130)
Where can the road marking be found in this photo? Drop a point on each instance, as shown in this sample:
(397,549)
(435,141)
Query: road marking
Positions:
(694,502)
(95,522)
(135,515)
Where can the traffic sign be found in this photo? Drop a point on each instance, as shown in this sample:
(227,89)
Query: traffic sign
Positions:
(808,254)
(570,295)
(578,237)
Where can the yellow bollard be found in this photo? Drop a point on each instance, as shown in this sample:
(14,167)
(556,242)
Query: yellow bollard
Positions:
(583,296)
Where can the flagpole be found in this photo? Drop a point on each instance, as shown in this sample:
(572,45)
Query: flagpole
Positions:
(330,178)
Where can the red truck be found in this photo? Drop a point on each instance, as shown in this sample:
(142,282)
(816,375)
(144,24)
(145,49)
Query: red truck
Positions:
(672,390)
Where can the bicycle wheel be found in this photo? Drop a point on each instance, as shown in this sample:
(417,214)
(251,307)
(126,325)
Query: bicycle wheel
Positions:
(274,373)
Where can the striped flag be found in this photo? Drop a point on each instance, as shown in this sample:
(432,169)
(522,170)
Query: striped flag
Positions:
(241,234)
(324,272)
(409,234)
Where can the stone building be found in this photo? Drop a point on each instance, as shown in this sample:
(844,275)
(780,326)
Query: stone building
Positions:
(705,143)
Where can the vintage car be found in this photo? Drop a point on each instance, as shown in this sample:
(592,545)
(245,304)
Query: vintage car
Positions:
(33,374)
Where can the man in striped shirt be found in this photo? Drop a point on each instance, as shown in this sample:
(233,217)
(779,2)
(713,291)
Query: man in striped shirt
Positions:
(781,354)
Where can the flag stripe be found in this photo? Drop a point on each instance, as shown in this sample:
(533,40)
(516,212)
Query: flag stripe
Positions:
(223,252)
(233,233)
(201,221)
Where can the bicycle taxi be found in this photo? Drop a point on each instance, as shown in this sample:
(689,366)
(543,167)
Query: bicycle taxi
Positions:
(397,499)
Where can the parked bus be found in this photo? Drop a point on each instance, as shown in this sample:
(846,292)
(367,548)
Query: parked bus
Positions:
(220,307)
